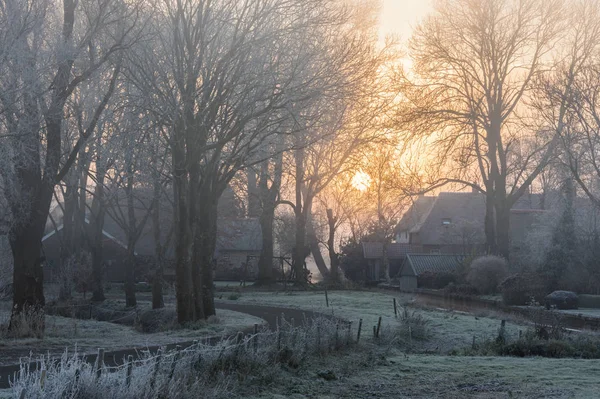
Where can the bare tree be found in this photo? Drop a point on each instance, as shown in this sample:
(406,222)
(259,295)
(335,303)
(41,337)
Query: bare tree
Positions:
(43,69)
(222,78)
(475,64)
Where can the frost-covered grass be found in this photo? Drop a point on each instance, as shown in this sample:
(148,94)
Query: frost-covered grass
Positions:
(449,329)
(89,335)
(590,312)
(198,371)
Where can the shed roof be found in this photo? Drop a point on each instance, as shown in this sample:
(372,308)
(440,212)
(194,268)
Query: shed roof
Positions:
(434,263)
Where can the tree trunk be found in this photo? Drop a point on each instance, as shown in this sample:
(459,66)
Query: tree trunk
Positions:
(66,243)
(28,276)
(315,249)
(157,294)
(268,196)
(132,236)
(300,250)
(490,223)
(183,272)
(253,194)
(265,262)
(97,224)
(204,250)
(130,300)
(334,274)
(503,230)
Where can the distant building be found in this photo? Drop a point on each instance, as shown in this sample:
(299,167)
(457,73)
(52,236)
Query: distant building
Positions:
(238,244)
(453,222)
(416,265)
(373,253)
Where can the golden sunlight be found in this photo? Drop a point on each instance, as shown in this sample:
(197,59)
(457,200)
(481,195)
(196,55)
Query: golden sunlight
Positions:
(361,181)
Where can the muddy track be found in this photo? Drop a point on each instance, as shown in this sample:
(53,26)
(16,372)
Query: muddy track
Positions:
(270,314)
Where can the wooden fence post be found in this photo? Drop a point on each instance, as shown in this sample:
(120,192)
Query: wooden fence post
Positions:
(129,370)
(99,362)
(359,329)
(43,378)
(255,339)
(349,334)
(174,364)
(395,309)
(156,368)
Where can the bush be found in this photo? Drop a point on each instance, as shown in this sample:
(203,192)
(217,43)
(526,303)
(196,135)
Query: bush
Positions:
(486,273)
(521,289)
(435,280)
(562,300)
(413,326)
(352,262)
(461,289)
(589,301)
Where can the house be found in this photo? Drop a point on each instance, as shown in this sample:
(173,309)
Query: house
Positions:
(373,253)
(114,254)
(453,222)
(238,245)
(416,265)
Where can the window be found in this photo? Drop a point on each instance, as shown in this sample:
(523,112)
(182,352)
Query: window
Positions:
(446,222)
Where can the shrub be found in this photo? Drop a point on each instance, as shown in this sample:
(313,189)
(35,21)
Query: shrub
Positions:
(461,289)
(435,280)
(520,289)
(486,273)
(27,324)
(589,301)
(413,326)
(562,300)
(352,262)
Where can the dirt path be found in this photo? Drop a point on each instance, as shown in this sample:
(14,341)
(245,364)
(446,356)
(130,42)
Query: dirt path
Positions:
(270,314)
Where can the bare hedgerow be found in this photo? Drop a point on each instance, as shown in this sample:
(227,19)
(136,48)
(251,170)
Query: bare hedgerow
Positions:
(486,273)
(202,370)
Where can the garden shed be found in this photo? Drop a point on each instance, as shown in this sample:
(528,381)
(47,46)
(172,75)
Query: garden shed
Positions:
(416,265)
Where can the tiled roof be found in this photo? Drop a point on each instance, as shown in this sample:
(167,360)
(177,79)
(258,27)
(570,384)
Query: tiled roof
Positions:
(374,250)
(434,263)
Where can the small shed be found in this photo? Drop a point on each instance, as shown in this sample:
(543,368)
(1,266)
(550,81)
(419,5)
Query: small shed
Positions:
(373,252)
(416,264)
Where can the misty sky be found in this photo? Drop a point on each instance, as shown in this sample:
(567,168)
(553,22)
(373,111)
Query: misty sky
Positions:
(399,16)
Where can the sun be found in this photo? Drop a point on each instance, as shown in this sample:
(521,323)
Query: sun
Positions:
(361,181)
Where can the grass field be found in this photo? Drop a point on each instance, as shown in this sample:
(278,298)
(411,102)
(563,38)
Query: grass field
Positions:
(425,370)
(434,376)
(450,329)
(89,335)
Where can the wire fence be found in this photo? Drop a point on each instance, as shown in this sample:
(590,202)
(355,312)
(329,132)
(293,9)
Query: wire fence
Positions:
(198,369)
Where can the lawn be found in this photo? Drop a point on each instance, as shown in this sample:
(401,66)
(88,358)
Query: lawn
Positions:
(434,376)
(450,329)
(89,335)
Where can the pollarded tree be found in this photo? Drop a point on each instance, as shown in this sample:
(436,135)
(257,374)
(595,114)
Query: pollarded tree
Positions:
(49,49)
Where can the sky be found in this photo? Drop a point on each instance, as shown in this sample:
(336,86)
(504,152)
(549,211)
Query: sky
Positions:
(398,17)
